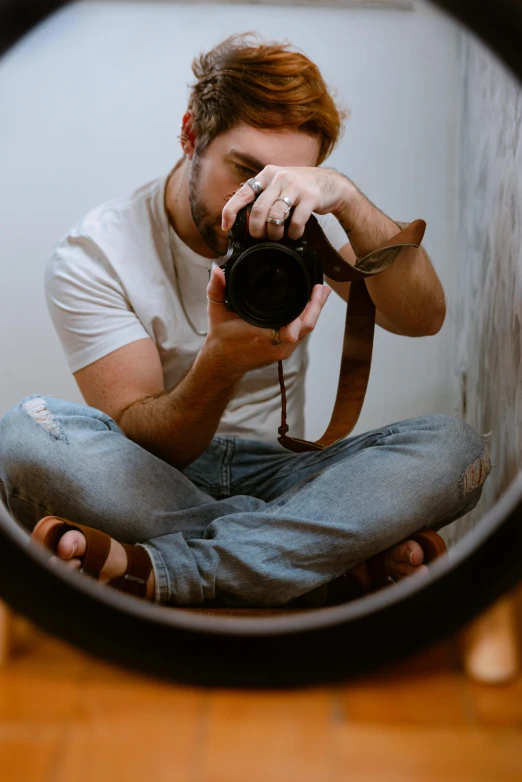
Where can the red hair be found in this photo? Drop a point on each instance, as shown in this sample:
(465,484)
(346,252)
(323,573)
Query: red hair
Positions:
(266,86)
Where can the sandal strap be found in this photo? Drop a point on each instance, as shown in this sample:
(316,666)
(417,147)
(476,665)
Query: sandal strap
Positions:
(139,566)
(97,547)
(431,543)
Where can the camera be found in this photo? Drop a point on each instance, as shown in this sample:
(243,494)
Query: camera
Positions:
(268,283)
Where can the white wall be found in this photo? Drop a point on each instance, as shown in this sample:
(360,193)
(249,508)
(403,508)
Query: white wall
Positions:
(91,104)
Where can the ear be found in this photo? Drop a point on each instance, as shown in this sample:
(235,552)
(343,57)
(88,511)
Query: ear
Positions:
(187,136)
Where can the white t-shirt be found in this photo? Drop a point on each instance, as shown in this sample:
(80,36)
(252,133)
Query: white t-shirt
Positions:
(111,281)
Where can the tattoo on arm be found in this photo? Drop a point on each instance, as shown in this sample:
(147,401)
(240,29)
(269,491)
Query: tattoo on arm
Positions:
(346,230)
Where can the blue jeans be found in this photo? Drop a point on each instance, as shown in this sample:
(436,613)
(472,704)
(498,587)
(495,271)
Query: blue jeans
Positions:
(247,523)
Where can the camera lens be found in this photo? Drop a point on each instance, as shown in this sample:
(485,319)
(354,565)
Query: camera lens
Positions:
(269,285)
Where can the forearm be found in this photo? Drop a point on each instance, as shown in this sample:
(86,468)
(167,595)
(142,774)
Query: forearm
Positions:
(408,296)
(178,425)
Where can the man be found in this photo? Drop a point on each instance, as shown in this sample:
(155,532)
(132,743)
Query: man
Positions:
(175,450)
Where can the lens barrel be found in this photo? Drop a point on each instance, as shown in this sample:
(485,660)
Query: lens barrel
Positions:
(269,284)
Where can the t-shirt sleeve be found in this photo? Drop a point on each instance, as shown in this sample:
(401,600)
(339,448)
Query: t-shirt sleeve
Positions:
(334,231)
(87,303)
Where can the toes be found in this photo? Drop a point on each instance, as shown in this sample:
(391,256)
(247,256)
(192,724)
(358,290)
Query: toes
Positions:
(415,553)
(409,552)
(405,559)
(70,545)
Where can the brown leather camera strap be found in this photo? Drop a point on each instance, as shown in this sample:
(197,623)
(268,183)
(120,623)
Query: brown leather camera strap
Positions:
(358,330)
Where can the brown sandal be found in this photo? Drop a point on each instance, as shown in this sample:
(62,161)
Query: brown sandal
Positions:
(371,575)
(430,542)
(50,529)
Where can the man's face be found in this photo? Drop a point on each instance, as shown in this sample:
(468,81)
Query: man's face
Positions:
(232,158)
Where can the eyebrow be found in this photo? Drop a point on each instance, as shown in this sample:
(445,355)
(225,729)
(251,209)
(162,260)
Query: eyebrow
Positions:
(251,162)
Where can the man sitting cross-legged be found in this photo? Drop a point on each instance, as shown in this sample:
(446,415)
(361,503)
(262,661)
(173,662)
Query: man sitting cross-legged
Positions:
(175,452)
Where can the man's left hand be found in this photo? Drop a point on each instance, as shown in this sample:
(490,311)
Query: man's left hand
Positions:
(308,189)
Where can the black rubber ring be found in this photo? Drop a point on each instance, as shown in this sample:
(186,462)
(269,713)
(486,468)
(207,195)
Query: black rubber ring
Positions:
(309,648)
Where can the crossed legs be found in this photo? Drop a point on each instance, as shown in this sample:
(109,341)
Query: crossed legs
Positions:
(312,518)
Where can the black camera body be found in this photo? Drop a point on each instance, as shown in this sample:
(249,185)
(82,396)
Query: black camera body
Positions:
(268,283)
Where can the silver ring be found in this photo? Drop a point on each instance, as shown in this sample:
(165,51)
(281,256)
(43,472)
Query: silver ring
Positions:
(215,302)
(276,340)
(274,220)
(256,186)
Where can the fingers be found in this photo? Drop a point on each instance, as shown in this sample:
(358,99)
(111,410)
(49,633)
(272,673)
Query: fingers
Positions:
(271,205)
(217,309)
(300,216)
(307,321)
(279,210)
(268,204)
(311,312)
(216,285)
(239,200)
(276,183)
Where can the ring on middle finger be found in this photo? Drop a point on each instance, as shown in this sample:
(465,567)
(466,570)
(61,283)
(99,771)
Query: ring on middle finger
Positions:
(276,221)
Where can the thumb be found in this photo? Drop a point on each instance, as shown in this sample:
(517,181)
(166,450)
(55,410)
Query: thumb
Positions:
(216,286)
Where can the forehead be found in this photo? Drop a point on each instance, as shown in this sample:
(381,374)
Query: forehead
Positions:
(269,147)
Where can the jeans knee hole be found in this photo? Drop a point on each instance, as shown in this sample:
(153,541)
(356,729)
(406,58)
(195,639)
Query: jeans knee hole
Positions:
(39,412)
(477,472)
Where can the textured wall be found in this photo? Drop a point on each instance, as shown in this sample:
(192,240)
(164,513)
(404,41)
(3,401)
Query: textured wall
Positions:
(489,296)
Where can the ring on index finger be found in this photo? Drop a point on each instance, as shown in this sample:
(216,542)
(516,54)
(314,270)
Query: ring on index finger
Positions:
(256,186)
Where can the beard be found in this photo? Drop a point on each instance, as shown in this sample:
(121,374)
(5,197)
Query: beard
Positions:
(208,225)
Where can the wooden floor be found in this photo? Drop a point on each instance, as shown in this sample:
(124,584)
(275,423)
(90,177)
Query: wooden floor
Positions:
(65,717)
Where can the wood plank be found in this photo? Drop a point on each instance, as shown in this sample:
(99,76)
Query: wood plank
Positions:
(383,753)
(71,718)
(41,680)
(497,705)
(28,752)
(401,693)
(256,736)
(131,727)
(27,695)
(144,744)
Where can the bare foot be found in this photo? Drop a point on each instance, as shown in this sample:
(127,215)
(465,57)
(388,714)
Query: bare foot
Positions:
(71,547)
(405,559)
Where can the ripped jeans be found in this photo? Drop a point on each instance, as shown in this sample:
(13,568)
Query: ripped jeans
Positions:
(247,523)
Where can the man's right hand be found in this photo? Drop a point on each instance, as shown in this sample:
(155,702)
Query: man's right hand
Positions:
(239,346)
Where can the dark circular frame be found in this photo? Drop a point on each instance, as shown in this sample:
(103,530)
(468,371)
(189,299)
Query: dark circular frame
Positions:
(301,649)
